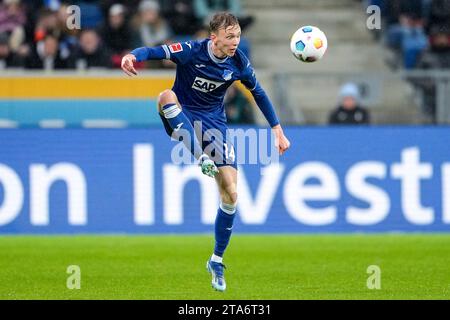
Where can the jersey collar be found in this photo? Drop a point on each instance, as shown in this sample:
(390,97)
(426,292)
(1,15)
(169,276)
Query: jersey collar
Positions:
(212,56)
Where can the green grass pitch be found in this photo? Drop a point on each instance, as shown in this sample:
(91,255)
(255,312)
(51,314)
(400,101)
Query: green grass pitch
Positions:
(413,266)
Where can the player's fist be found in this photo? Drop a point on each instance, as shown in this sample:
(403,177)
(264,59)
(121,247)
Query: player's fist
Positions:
(128,64)
(281,142)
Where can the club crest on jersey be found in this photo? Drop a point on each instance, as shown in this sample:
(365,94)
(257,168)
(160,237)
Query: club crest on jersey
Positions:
(227,74)
(175,47)
(205,85)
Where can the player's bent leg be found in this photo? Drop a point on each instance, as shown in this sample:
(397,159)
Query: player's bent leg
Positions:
(227,182)
(167,97)
(175,121)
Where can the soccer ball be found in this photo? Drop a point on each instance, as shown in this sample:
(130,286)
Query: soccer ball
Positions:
(308,44)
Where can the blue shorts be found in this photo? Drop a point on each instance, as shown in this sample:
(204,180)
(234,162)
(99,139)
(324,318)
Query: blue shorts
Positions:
(215,140)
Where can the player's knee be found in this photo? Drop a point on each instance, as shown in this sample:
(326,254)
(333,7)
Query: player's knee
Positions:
(234,198)
(166,97)
(230,197)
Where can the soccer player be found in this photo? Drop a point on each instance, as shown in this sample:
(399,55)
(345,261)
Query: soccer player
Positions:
(205,69)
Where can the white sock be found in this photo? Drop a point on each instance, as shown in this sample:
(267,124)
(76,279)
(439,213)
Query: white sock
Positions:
(228,208)
(215,258)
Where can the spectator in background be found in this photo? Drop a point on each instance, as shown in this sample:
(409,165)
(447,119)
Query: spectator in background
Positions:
(12,22)
(47,55)
(437,57)
(12,16)
(406,35)
(90,53)
(153,28)
(181,17)
(237,107)
(349,111)
(47,23)
(50,22)
(7,58)
(116,33)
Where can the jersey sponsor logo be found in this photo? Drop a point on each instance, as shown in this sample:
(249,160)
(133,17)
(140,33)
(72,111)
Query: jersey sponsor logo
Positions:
(205,85)
(200,66)
(175,47)
(227,74)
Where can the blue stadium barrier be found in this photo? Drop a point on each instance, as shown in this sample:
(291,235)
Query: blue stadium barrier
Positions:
(384,179)
(28,113)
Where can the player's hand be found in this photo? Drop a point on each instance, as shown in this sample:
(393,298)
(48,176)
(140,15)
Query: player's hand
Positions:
(128,64)
(281,142)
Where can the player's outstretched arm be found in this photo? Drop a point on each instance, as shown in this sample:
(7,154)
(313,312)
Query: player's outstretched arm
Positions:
(143,54)
(265,105)
(281,142)
(248,78)
(128,64)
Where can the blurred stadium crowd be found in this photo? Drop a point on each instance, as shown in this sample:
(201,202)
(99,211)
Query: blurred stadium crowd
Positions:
(417,31)
(34,34)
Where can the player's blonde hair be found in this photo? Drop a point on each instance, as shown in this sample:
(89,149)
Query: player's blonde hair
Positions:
(222,20)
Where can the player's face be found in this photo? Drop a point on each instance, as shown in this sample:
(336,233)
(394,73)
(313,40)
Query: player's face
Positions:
(226,41)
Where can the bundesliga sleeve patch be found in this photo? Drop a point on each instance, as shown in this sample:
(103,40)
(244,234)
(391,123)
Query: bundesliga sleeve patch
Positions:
(176,47)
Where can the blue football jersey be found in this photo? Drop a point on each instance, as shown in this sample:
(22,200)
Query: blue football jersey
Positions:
(202,79)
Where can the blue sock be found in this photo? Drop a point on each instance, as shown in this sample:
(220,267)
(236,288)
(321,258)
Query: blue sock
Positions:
(178,120)
(223,228)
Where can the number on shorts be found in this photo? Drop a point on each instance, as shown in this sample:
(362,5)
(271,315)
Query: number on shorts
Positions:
(229,152)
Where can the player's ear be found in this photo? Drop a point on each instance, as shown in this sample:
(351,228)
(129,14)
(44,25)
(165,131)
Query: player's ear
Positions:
(213,36)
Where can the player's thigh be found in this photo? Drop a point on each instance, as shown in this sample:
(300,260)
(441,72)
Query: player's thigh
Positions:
(167,97)
(227,182)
